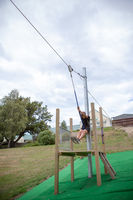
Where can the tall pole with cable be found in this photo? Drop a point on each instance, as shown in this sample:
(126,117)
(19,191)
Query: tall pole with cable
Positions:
(88,136)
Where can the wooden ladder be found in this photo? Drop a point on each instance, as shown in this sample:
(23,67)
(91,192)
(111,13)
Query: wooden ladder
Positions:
(107,165)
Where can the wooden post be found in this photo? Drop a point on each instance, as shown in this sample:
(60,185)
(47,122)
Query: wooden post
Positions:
(56,187)
(102,135)
(98,173)
(72,158)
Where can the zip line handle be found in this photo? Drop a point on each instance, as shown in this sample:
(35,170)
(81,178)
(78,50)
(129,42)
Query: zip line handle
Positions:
(70,68)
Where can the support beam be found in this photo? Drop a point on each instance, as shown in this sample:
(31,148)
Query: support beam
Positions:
(108,166)
(56,188)
(76,153)
(72,158)
(96,145)
(102,135)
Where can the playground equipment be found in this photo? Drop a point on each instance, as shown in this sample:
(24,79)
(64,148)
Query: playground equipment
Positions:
(71,152)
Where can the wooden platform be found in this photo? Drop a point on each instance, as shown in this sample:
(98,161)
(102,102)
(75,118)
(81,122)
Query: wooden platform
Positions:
(76,153)
(58,152)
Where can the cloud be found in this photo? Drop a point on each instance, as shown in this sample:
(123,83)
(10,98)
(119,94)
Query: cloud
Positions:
(3,53)
(130,100)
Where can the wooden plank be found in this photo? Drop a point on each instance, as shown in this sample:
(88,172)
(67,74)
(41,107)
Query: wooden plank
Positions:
(72,158)
(56,186)
(107,166)
(104,155)
(75,153)
(102,135)
(96,145)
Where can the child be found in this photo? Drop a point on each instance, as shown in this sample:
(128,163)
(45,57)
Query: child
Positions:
(85,127)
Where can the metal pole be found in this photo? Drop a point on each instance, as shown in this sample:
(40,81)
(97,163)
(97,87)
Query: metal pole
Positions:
(88,136)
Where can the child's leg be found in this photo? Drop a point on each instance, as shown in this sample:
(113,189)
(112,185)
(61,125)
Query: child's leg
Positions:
(79,134)
(83,133)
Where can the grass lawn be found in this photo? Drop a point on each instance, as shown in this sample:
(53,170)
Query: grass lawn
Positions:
(121,188)
(23,168)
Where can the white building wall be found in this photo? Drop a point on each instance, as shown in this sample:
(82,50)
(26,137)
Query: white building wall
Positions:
(21,140)
(106,120)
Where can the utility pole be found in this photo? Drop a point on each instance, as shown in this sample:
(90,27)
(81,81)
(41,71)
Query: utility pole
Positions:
(88,136)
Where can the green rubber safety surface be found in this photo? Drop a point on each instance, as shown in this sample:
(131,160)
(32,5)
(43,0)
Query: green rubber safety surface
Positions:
(83,188)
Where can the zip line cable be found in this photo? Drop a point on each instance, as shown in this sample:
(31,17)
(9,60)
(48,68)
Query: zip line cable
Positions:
(98,104)
(69,67)
(40,34)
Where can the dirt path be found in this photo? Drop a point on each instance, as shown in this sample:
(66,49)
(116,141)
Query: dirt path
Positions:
(128,130)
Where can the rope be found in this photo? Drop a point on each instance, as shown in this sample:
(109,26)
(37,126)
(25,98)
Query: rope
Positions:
(74,90)
(102,135)
(98,104)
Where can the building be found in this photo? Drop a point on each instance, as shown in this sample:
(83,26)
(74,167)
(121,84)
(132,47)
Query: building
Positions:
(21,140)
(123,120)
(106,120)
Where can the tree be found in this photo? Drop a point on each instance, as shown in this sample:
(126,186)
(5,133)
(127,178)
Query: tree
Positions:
(46,137)
(64,125)
(19,115)
(1,139)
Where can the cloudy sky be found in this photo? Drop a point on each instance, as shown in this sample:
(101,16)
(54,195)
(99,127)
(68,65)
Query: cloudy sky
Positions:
(94,34)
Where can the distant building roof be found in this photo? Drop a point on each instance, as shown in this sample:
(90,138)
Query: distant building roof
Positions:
(123,116)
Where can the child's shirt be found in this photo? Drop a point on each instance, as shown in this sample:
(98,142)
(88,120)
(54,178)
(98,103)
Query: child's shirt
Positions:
(86,123)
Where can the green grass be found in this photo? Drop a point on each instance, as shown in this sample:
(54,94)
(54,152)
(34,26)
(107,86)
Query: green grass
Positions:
(121,188)
(23,168)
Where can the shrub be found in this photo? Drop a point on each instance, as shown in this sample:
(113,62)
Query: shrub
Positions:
(46,137)
(31,144)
